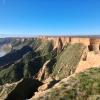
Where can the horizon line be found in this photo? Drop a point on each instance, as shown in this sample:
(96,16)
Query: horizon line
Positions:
(37,36)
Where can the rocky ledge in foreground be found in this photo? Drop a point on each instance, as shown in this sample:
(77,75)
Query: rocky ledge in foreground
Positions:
(81,86)
(21,90)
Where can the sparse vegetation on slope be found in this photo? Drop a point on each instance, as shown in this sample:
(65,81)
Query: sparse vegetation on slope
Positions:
(81,86)
(24,62)
(68,60)
(42,59)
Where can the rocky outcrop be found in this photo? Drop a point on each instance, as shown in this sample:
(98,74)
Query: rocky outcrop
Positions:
(88,60)
(6,89)
(81,86)
(43,73)
(95,44)
(58,44)
(60,41)
(38,59)
(48,83)
(90,43)
(46,70)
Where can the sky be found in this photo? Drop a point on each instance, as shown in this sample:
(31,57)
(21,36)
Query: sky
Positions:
(49,17)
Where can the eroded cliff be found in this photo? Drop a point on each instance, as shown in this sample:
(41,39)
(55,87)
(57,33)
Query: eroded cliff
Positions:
(92,43)
(48,60)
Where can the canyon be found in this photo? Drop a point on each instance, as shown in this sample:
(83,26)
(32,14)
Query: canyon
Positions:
(90,42)
(50,61)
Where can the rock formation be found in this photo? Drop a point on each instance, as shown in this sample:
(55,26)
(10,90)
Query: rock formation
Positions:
(89,42)
(81,86)
(43,73)
(41,62)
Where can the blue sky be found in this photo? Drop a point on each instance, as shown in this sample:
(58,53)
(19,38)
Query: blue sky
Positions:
(49,17)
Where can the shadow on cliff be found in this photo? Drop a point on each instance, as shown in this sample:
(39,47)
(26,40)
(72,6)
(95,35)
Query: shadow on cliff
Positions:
(24,90)
(14,55)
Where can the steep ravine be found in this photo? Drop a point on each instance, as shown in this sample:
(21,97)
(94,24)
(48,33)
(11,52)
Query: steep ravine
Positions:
(36,65)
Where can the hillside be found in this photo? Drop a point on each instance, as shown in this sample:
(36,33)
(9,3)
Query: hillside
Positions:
(46,62)
(81,86)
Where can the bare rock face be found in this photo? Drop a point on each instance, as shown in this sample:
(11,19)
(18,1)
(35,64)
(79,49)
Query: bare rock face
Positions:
(85,41)
(88,60)
(48,83)
(84,56)
(95,43)
(6,89)
(81,86)
(91,55)
(65,40)
(58,44)
(43,73)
